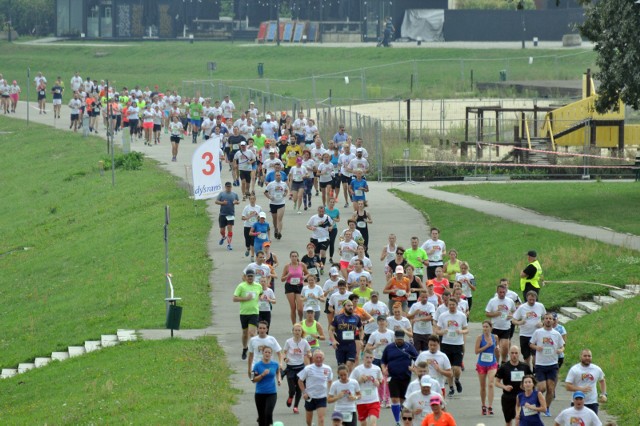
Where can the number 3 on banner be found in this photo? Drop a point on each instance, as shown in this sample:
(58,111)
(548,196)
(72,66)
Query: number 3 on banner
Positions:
(208,159)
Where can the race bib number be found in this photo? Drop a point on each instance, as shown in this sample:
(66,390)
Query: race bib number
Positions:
(265,305)
(504,315)
(312,340)
(419,271)
(517,376)
(348,335)
(230,218)
(367,392)
(486,357)
(294,281)
(235,146)
(347,417)
(251,294)
(278,196)
(529,411)
(262,236)
(452,333)
(361,224)
(313,271)
(412,297)
(322,240)
(358,192)
(253,219)
(548,350)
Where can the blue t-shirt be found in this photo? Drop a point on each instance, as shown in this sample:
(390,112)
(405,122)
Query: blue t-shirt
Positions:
(333,214)
(357,185)
(230,208)
(268,383)
(261,228)
(346,327)
(334,159)
(271,176)
(490,351)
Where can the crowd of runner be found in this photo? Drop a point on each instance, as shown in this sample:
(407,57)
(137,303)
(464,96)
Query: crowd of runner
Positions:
(398,339)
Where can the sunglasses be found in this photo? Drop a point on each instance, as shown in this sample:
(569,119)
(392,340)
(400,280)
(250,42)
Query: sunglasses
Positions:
(407,418)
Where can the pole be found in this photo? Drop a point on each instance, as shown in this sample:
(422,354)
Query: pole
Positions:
(278,22)
(166,255)
(28,91)
(408,120)
(110,139)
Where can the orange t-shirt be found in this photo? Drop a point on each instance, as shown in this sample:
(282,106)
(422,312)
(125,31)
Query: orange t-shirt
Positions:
(439,286)
(399,285)
(445,419)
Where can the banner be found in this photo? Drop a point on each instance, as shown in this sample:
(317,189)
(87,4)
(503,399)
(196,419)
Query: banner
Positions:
(205,165)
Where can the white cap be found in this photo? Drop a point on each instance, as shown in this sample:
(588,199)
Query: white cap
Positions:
(268,116)
(262,215)
(334,271)
(359,150)
(243,143)
(425,380)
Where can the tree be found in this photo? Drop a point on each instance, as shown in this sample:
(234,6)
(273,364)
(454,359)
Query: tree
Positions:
(613,26)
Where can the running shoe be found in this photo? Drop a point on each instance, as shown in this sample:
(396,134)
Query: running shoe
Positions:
(221,242)
(490,411)
(295,410)
(458,386)
(484,410)
(346,205)
(451,392)
(244,353)
(547,413)
(299,212)
(229,247)
(289,401)
(246,253)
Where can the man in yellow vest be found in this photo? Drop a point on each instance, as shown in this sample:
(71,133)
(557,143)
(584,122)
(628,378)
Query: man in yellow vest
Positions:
(531,276)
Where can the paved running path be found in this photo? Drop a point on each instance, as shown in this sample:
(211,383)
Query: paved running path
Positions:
(389,215)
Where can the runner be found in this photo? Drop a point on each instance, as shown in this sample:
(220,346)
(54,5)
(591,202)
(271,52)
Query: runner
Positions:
(313,331)
(227,201)
(529,317)
(243,162)
(265,375)
(344,393)
(529,404)
(435,248)
(334,213)
(276,192)
(509,378)
(421,315)
(398,289)
(486,365)
(362,218)
(500,310)
(419,401)
(293,275)
(260,232)
(257,345)
(369,377)
(348,249)
(312,296)
(377,341)
(396,359)
(247,294)
(267,299)
(250,216)
(585,377)
(314,381)
(437,362)
(343,332)
(416,257)
(547,344)
(297,354)
(578,414)
(452,326)
(468,282)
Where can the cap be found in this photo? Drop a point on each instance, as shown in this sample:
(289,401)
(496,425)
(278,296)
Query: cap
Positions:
(310,310)
(359,150)
(268,116)
(262,215)
(227,184)
(532,253)
(425,380)
(243,143)
(578,394)
(337,415)
(334,271)
(399,334)
(435,400)
(252,103)
(266,244)
(299,160)
(374,293)
(381,318)
(249,272)
(272,150)
(399,269)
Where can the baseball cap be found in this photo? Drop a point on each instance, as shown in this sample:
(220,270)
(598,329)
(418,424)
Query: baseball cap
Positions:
(227,184)
(252,103)
(374,293)
(359,150)
(243,143)
(310,310)
(337,415)
(299,160)
(532,253)
(334,271)
(262,215)
(578,394)
(425,380)
(399,334)
(399,269)
(272,151)
(249,272)
(381,318)
(268,116)
(435,400)
(266,244)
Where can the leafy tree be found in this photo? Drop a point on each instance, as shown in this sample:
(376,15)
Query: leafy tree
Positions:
(613,26)
(29,16)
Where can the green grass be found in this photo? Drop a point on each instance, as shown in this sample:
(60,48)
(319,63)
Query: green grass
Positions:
(386,73)
(609,204)
(95,261)
(152,383)
(612,336)
(496,248)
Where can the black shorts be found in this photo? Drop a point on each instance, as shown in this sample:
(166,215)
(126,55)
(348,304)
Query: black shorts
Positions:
(74,117)
(125,124)
(315,403)
(320,245)
(454,353)
(335,182)
(273,208)
(346,352)
(157,127)
(326,306)
(398,387)
(296,186)
(508,403)
(512,330)
(175,139)
(247,320)
(223,222)
(42,97)
(502,334)
(324,184)
(292,288)
(546,372)
(245,175)
(524,347)
(345,179)
(248,238)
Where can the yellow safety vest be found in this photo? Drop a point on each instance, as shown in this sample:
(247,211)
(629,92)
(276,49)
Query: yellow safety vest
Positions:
(535,281)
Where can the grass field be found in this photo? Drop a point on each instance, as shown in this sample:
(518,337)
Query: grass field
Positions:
(95,257)
(374,73)
(152,383)
(496,248)
(609,204)
(612,336)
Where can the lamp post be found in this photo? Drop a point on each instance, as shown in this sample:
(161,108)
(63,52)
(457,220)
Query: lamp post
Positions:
(524,28)
(277,3)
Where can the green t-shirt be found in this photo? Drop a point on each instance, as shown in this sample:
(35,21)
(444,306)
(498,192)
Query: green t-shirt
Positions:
(259,141)
(412,256)
(364,296)
(195,109)
(250,307)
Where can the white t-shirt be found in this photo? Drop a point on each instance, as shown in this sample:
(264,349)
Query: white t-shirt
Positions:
(397,324)
(261,270)
(227,108)
(175,128)
(344,161)
(245,160)
(580,375)
(298,173)
(336,300)
(325,172)
(435,258)
(277,191)
(344,404)
(296,351)
(310,302)
(551,341)
(382,340)
(438,358)
(414,386)
(257,343)
(452,323)
(465,280)
(316,379)
(368,389)
(299,125)
(505,307)
(348,250)
(270,164)
(422,311)
(323,225)
(532,315)
(354,277)
(416,401)
(359,164)
(583,417)
(246,212)
(366,262)
(330,287)
(375,310)
(263,304)
(75,105)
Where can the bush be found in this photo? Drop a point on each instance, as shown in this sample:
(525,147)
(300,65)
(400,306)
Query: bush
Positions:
(130,161)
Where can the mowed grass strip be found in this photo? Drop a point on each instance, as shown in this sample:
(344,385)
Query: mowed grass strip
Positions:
(497,248)
(95,258)
(610,204)
(387,72)
(152,383)
(612,336)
